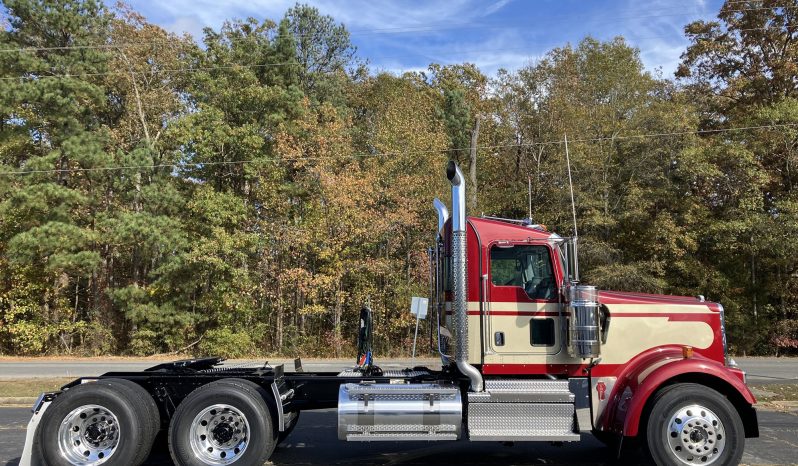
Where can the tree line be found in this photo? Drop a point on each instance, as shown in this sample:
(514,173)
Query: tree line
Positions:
(247,193)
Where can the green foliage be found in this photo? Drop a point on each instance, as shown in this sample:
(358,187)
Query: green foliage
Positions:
(143,342)
(227,343)
(457,115)
(279,185)
(323,47)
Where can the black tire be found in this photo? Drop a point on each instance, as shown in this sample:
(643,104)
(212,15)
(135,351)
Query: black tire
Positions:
(717,426)
(288,429)
(248,399)
(144,402)
(133,445)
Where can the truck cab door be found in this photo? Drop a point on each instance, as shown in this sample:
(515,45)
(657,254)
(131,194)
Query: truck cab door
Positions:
(521,302)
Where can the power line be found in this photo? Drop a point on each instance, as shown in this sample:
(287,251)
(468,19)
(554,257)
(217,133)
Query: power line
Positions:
(388,154)
(397,30)
(276,64)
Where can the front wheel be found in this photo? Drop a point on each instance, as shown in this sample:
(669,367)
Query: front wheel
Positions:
(694,425)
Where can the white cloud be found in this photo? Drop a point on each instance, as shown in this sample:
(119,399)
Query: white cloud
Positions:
(408,35)
(660,34)
(495,7)
(186,24)
(362,14)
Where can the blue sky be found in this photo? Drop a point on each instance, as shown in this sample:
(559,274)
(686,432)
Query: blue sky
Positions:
(399,36)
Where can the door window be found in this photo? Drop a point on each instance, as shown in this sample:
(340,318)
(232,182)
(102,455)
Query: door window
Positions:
(541,332)
(524,266)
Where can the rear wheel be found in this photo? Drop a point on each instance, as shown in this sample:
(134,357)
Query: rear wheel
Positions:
(223,422)
(96,423)
(692,424)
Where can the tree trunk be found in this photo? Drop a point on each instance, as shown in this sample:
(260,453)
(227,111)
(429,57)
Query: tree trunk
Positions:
(279,326)
(337,318)
(753,280)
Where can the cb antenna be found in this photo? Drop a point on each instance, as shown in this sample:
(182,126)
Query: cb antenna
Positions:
(529,195)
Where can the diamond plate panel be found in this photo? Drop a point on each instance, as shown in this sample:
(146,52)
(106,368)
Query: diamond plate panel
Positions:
(521,421)
(408,392)
(400,437)
(523,391)
(506,385)
(399,374)
(396,428)
(403,373)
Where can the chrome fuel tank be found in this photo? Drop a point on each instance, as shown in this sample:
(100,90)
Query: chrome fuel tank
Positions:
(379,412)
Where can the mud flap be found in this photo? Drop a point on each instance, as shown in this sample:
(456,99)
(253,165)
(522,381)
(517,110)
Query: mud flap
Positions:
(30,456)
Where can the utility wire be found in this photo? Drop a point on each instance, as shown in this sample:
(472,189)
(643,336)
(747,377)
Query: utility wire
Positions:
(395,153)
(399,30)
(267,65)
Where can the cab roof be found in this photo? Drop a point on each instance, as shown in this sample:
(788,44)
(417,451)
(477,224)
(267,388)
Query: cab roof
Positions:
(490,229)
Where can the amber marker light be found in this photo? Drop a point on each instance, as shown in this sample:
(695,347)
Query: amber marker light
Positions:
(687,352)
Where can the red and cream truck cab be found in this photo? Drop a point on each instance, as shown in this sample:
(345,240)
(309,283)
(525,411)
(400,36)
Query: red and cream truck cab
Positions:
(517,320)
(528,353)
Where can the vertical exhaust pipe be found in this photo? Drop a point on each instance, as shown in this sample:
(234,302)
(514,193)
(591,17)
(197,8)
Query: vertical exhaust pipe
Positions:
(459,276)
(443,214)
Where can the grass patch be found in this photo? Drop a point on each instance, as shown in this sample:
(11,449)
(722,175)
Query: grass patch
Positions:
(31,387)
(776,392)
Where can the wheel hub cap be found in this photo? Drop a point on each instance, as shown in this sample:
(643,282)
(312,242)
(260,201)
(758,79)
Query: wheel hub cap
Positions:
(223,433)
(219,434)
(88,435)
(695,435)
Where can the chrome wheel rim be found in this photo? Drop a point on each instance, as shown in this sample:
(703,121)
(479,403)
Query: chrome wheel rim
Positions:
(88,435)
(219,434)
(695,435)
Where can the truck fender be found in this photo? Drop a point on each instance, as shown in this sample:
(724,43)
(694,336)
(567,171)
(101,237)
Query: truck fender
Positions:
(642,383)
(30,456)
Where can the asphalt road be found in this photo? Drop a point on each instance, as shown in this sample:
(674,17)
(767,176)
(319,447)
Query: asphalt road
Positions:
(314,442)
(760,370)
(770,370)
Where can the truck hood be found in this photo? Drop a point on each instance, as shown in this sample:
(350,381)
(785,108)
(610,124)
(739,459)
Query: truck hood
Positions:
(623,297)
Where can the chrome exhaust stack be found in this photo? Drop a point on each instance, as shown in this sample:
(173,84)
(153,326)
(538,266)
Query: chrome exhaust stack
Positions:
(459,276)
(437,274)
(443,214)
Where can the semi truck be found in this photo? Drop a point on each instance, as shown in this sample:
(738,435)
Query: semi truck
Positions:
(528,354)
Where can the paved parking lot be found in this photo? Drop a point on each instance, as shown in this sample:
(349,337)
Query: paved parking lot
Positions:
(314,442)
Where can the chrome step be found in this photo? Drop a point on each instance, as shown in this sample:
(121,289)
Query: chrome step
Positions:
(523,391)
(522,422)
